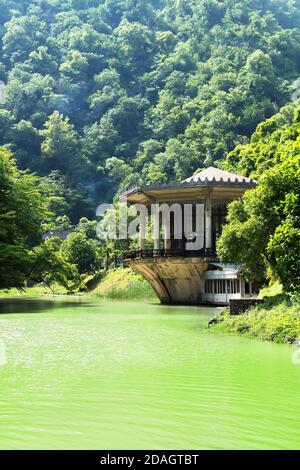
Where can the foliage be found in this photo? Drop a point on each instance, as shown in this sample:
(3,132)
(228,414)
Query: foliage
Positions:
(67,203)
(273,289)
(264,228)
(274,140)
(277,320)
(113,92)
(88,228)
(22,210)
(38,290)
(60,145)
(50,267)
(124,284)
(78,249)
(104,94)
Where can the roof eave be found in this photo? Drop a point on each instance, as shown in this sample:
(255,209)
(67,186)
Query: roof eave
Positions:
(202,184)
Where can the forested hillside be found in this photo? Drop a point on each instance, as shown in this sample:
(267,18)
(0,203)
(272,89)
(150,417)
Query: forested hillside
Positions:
(101,94)
(263,230)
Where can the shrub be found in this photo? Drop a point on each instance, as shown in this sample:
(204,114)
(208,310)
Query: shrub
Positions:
(276,320)
(83,252)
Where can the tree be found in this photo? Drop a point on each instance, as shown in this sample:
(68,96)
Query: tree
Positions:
(284,246)
(60,144)
(195,76)
(22,211)
(263,229)
(41,61)
(26,144)
(21,36)
(272,141)
(75,66)
(7,121)
(88,228)
(28,96)
(78,249)
(67,203)
(116,169)
(49,266)
(137,43)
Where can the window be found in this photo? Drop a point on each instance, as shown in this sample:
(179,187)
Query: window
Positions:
(215,286)
(209,287)
(233,286)
(222,286)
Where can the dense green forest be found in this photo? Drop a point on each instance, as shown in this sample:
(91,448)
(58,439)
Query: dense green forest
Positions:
(98,95)
(102,94)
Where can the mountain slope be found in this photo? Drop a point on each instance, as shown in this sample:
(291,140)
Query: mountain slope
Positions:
(103,94)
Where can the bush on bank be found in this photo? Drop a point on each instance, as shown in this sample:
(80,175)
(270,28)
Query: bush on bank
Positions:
(278,320)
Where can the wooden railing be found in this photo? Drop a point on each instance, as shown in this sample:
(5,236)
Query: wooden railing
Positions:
(172,253)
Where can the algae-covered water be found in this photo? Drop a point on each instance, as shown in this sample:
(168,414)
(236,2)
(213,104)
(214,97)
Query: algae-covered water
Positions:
(85,375)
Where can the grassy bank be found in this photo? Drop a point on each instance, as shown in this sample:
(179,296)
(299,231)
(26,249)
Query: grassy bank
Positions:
(277,320)
(36,291)
(124,284)
(120,284)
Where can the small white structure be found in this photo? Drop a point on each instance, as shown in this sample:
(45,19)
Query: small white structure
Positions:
(62,234)
(223,282)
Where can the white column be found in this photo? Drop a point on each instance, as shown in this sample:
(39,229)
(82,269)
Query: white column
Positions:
(167,234)
(156,229)
(143,224)
(208,223)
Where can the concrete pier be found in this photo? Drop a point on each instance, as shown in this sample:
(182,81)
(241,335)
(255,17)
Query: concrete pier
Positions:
(175,280)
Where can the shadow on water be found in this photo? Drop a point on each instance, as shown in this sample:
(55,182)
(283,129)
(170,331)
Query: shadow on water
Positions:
(190,309)
(14,305)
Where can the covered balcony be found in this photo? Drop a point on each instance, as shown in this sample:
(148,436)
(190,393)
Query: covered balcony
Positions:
(169,253)
(212,190)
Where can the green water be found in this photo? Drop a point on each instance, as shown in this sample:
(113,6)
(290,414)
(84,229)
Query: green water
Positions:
(133,376)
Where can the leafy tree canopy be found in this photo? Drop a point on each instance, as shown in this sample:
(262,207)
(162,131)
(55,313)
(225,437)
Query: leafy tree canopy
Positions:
(156,87)
(263,228)
(23,210)
(78,249)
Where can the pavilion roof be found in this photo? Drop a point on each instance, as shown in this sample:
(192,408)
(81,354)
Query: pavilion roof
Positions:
(213,174)
(209,178)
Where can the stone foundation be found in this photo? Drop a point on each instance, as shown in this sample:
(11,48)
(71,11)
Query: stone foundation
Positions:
(175,280)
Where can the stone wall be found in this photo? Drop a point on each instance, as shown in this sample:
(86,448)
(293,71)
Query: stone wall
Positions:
(239,306)
(176,281)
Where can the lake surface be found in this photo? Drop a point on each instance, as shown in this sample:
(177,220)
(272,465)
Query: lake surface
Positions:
(79,375)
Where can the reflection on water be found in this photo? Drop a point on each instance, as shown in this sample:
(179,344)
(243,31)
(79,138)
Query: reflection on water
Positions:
(122,376)
(30,305)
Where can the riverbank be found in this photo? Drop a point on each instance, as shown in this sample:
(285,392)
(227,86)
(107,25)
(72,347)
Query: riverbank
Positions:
(36,291)
(124,284)
(277,320)
(120,284)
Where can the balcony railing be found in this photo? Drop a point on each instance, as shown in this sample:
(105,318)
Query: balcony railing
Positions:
(173,253)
